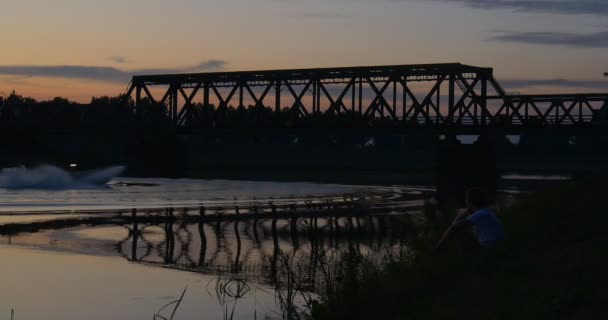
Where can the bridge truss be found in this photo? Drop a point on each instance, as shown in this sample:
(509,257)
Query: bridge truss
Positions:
(413,96)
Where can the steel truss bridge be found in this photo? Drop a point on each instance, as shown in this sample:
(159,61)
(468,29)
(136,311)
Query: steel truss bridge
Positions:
(437,96)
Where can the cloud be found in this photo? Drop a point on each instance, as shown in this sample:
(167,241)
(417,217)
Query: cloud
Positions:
(211,65)
(205,66)
(568,7)
(321,15)
(589,40)
(563,7)
(110,74)
(119,59)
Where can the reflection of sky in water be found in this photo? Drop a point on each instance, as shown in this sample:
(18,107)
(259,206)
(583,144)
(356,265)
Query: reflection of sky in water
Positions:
(160,193)
(42,285)
(87,272)
(81,273)
(90,267)
(134,288)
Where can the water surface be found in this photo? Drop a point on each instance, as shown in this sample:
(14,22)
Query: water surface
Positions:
(124,250)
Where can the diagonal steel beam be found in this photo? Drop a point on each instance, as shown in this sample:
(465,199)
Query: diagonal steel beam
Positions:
(336,105)
(148,94)
(187,103)
(417,107)
(568,112)
(428,100)
(224,103)
(380,96)
(259,102)
(298,97)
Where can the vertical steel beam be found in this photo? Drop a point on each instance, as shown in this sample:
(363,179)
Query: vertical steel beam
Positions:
(395,96)
(557,107)
(404,106)
(138,105)
(484,100)
(206,95)
(438,111)
(353,98)
(451,99)
(476,104)
(361,96)
(314,98)
(241,96)
(318,96)
(277,96)
(174,102)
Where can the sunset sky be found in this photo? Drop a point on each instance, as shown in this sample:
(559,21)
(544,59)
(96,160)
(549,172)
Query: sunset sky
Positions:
(84,48)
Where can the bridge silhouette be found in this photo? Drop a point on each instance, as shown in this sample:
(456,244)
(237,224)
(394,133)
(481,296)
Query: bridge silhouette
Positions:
(440,97)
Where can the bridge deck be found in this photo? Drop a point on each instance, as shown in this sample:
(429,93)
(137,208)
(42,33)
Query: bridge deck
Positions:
(305,74)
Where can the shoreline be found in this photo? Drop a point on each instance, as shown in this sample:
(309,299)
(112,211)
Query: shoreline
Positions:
(549,267)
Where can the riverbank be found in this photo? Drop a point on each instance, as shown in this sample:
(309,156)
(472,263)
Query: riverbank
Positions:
(390,160)
(549,268)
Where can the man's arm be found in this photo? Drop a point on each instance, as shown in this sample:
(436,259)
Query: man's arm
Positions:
(458,224)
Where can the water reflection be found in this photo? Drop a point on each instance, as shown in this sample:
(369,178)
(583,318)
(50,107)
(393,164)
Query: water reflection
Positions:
(239,250)
(250,247)
(238,240)
(246,252)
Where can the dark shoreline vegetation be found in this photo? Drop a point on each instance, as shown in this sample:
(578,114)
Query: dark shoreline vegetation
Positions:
(215,142)
(550,267)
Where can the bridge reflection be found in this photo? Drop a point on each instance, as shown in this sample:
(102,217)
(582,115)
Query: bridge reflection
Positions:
(244,239)
(250,248)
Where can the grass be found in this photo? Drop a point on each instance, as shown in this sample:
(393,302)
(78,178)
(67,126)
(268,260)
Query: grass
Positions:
(291,287)
(175,304)
(230,290)
(550,267)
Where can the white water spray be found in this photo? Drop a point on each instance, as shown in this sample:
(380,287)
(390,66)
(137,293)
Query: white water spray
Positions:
(53,178)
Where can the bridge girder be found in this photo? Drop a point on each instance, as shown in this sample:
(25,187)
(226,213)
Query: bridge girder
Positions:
(433,95)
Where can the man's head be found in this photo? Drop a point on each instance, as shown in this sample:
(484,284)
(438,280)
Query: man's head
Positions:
(476,199)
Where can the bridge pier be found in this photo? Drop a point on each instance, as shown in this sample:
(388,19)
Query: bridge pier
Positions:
(158,154)
(463,166)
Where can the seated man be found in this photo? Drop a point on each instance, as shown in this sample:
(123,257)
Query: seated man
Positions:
(477,223)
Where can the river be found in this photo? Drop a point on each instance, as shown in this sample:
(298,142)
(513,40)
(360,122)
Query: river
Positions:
(73,247)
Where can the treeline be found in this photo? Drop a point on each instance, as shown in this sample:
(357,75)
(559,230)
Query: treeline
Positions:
(118,112)
(17,111)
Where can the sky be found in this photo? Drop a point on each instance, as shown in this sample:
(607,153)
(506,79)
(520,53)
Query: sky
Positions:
(83,48)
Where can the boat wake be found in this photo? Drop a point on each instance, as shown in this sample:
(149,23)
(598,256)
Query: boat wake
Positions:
(49,177)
